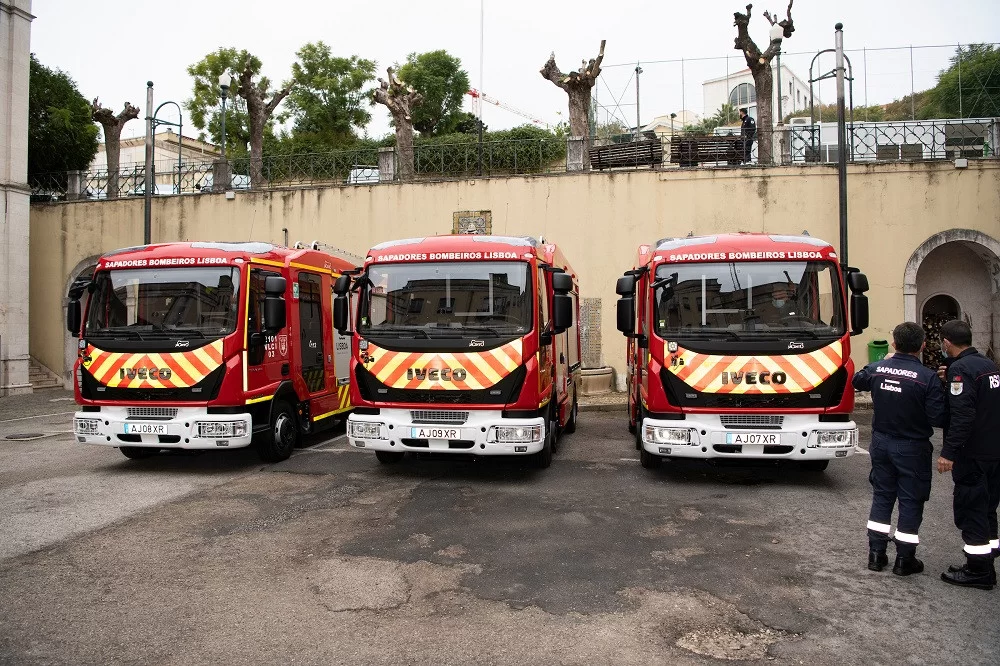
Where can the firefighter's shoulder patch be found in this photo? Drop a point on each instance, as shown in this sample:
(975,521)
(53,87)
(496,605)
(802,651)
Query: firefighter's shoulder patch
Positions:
(957,386)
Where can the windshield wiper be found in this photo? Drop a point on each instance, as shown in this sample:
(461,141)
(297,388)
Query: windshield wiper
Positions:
(185,331)
(487,329)
(395,330)
(704,335)
(115,331)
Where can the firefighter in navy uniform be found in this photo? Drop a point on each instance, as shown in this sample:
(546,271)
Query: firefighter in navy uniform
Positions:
(972,453)
(748,130)
(909,403)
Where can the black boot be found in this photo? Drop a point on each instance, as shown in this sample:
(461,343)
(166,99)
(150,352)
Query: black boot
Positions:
(877,560)
(977,577)
(906,565)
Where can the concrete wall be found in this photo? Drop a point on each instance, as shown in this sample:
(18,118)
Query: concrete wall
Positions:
(15,37)
(956,270)
(599,219)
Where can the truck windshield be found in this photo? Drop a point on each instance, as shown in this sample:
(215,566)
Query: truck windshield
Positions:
(160,302)
(754,300)
(447,299)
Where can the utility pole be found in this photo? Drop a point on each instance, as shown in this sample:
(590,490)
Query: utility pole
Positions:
(148,212)
(638,123)
(841,144)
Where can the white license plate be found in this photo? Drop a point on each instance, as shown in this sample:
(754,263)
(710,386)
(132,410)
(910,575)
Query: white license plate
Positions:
(435,433)
(145,429)
(752,438)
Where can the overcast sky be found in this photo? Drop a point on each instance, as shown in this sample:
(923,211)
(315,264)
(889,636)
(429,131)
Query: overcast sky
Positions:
(112,48)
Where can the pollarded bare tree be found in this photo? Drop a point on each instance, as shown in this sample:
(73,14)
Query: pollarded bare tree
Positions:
(113,125)
(760,67)
(577,86)
(258,113)
(400,99)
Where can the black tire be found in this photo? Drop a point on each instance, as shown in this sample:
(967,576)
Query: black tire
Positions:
(574,413)
(637,429)
(543,458)
(282,435)
(815,465)
(389,457)
(553,424)
(633,425)
(138,452)
(649,460)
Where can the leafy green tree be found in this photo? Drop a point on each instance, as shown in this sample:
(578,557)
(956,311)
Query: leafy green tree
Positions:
(468,123)
(206,106)
(330,95)
(61,134)
(720,118)
(970,86)
(442,83)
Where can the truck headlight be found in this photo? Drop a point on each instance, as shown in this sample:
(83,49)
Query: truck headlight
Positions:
(660,435)
(221,429)
(364,429)
(86,426)
(515,434)
(836,438)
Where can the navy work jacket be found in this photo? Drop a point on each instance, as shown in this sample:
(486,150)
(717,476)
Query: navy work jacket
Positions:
(908,398)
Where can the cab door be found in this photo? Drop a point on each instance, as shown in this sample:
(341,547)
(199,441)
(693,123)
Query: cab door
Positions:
(267,356)
(309,288)
(545,351)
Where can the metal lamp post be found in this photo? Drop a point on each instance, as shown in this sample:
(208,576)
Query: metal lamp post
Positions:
(180,139)
(225,81)
(638,124)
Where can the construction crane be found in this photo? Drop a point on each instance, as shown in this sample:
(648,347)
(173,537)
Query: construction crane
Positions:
(479,97)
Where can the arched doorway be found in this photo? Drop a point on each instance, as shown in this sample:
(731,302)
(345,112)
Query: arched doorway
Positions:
(82,271)
(955,274)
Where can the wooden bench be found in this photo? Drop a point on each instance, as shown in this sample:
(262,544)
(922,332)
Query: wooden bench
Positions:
(632,154)
(692,150)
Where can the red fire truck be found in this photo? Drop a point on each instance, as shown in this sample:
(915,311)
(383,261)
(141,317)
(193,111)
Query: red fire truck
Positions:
(739,347)
(208,346)
(462,344)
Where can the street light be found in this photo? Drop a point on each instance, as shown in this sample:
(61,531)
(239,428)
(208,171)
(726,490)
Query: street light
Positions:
(225,82)
(180,139)
(638,124)
(672,116)
(777,34)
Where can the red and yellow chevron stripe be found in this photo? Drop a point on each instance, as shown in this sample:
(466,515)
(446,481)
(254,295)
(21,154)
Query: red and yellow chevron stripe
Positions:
(460,371)
(148,370)
(788,373)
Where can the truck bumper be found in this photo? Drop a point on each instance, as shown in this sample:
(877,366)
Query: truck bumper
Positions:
(484,432)
(797,437)
(162,428)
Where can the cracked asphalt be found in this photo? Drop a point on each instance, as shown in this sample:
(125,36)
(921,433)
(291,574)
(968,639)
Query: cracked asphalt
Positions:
(330,557)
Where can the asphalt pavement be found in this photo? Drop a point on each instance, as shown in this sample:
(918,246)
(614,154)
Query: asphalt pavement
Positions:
(330,557)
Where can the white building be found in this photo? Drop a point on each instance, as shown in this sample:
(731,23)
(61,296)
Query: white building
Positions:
(738,89)
(132,152)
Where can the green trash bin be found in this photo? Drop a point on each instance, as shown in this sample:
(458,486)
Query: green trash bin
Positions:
(877,349)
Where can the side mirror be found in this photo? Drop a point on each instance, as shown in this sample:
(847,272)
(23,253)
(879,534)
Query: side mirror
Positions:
(859,313)
(562,312)
(857,281)
(562,283)
(73,317)
(274,285)
(341,315)
(625,285)
(342,285)
(626,314)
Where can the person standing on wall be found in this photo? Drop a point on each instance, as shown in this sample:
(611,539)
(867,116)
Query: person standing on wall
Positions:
(971,452)
(908,404)
(748,130)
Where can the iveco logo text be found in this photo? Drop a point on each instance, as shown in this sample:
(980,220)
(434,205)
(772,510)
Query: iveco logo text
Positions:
(477,343)
(144,373)
(754,377)
(436,375)
(183,343)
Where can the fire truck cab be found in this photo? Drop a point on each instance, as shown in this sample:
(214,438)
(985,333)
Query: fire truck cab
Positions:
(739,347)
(462,345)
(208,346)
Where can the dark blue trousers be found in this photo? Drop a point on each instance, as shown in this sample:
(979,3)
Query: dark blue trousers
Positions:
(901,472)
(977,494)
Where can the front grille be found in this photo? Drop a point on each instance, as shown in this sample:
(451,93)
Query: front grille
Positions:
(439,416)
(764,421)
(161,413)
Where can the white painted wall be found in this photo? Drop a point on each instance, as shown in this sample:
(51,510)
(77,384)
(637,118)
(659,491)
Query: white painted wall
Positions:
(796,90)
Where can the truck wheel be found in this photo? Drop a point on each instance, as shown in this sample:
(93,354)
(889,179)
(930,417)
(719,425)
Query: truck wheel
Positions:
(648,460)
(543,458)
(637,429)
(389,457)
(552,425)
(138,452)
(815,465)
(282,437)
(574,412)
(633,425)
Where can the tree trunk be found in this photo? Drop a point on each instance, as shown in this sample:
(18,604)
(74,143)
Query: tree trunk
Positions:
(579,119)
(256,151)
(577,85)
(763,79)
(400,99)
(112,148)
(404,148)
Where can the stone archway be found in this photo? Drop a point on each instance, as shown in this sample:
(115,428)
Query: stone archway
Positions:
(70,348)
(964,265)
